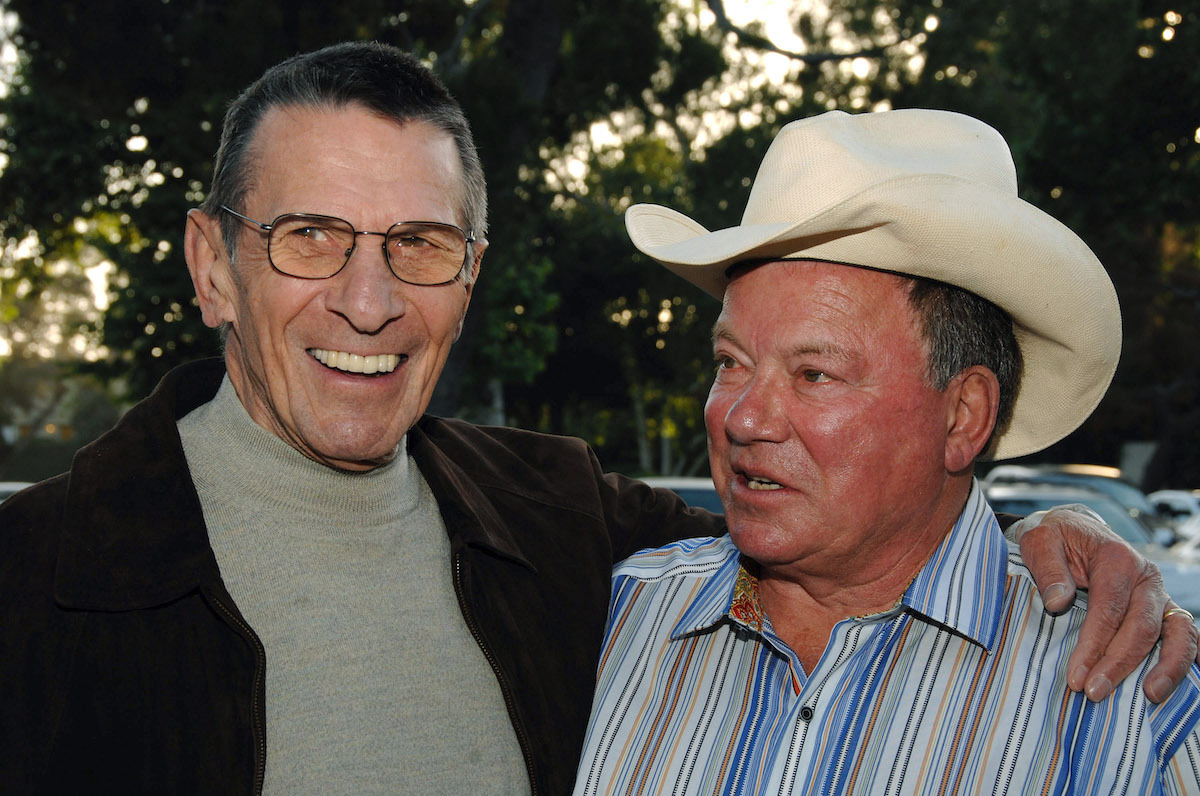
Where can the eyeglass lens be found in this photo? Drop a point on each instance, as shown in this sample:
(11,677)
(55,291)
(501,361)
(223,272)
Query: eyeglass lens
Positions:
(315,247)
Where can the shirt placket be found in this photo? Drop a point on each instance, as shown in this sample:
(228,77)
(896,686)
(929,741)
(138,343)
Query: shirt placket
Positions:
(819,753)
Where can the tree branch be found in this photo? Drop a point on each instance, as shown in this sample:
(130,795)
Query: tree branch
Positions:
(449,55)
(748,39)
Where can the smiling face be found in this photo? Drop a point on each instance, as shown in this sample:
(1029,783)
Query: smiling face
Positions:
(300,353)
(827,443)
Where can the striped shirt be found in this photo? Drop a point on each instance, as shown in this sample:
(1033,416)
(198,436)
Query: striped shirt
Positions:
(959,689)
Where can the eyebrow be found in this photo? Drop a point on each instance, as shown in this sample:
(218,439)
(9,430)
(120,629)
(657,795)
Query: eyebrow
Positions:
(723,331)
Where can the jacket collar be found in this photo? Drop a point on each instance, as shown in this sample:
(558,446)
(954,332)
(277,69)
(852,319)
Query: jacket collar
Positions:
(133,533)
(469,516)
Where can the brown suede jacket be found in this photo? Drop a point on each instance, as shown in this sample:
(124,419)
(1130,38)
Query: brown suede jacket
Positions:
(125,665)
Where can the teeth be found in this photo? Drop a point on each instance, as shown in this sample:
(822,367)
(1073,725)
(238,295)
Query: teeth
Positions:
(356,363)
(762,484)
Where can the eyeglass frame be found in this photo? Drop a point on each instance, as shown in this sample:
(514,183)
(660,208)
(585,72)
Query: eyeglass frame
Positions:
(468,239)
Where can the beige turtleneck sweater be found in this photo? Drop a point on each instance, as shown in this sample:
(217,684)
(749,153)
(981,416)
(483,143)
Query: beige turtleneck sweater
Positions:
(374,682)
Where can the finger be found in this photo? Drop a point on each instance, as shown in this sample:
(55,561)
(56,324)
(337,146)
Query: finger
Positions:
(1180,647)
(1107,606)
(1136,635)
(1108,602)
(1044,554)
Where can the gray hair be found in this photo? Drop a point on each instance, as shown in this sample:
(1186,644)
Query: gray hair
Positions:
(384,80)
(962,330)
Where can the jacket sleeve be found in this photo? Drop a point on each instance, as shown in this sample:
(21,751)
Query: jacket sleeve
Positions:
(640,516)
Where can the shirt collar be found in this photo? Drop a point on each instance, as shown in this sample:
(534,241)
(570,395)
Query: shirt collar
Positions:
(961,586)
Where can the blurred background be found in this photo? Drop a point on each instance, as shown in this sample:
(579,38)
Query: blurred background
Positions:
(110,112)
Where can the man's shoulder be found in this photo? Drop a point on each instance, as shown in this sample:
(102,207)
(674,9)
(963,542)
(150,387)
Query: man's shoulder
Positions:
(32,514)
(688,558)
(452,431)
(500,448)
(542,467)
(30,539)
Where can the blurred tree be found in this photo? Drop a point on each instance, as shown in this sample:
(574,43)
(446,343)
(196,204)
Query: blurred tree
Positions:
(581,111)
(634,342)
(114,114)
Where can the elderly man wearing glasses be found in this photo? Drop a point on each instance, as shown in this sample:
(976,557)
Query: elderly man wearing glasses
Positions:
(277,572)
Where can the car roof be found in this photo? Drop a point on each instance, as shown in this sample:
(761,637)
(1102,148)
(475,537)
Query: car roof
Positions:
(679,481)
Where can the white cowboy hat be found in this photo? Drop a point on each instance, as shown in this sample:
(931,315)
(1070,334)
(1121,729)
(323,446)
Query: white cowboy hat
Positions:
(933,194)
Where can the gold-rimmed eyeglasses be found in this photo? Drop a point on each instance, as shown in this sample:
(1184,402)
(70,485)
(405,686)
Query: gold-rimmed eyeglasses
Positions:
(310,246)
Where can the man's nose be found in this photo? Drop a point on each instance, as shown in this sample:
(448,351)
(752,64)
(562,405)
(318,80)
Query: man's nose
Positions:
(366,292)
(758,413)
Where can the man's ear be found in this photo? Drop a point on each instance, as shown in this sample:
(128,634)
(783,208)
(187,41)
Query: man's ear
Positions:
(208,263)
(477,250)
(973,398)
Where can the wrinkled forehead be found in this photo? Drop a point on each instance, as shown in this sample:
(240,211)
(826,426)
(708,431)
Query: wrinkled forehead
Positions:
(347,154)
(782,296)
(757,279)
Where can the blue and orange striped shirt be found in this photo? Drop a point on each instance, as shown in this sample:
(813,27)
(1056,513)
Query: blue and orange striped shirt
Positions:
(959,689)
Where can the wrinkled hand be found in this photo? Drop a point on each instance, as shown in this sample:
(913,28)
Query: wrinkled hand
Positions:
(1126,602)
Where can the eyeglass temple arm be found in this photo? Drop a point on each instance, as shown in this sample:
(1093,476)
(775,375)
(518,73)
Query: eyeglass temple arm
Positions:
(259,224)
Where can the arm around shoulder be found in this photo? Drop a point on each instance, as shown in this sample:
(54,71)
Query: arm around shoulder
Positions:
(640,516)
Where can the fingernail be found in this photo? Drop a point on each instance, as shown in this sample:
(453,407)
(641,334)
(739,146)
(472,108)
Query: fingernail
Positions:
(1099,688)
(1079,677)
(1157,688)
(1055,592)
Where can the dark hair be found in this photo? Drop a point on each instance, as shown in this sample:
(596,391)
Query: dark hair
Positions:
(962,330)
(384,80)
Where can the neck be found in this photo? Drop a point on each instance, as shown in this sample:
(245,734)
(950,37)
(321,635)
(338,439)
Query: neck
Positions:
(804,603)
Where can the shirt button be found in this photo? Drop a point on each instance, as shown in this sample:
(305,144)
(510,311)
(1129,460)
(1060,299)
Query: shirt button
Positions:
(806,713)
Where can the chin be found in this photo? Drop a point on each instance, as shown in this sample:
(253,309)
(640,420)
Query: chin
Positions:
(364,453)
(762,542)
(358,463)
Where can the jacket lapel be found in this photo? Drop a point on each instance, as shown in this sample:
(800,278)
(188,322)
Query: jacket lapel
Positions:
(469,516)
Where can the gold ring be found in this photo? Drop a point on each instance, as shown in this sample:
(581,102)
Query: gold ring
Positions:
(1181,612)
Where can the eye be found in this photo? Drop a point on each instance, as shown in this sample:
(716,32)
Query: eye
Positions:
(313,233)
(410,241)
(815,376)
(725,362)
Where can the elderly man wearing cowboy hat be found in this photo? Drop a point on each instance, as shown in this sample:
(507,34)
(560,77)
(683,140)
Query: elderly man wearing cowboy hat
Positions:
(892,311)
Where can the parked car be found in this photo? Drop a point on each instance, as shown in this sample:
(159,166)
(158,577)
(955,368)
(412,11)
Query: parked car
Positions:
(10,488)
(1188,549)
(1181,575)
(1181,507)
(1090,476)
(699,492)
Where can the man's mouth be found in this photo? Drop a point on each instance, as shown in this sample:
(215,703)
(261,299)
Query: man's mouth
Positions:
(357,363)
(761,484)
